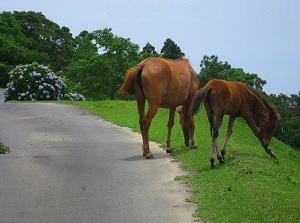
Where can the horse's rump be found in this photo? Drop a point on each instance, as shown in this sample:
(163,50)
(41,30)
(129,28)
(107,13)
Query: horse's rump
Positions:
(168,82)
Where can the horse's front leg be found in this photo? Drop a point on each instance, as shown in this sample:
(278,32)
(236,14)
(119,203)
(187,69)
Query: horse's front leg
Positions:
(265,144)
(170,125)
(228,134)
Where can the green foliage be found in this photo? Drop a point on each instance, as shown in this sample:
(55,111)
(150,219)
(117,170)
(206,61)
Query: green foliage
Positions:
(250,187)
(148,48)
(148,51)
(212,68)
(4,149)
(36,82)
(15,47)
(27,37)
(171,50)
(48,37)
(100,63)
(289,108)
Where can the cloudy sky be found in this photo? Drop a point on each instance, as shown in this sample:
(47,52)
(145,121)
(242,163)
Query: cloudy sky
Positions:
(260,36)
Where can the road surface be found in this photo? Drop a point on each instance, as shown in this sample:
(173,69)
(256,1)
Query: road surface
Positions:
(68,166)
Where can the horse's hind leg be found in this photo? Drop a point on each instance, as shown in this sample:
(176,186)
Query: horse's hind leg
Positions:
(140,99)
(217,121)
(170,125)
(146,125)
(228,134)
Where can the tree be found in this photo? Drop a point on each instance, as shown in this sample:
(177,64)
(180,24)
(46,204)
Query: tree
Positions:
(171,50)
(148,48)
(289,109)
(15,47)
(212,68)
(47,37)
(100,62)
(148,51)
(27,37)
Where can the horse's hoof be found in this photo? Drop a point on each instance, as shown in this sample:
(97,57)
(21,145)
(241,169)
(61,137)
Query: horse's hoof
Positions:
(148,155)
(270,152)
(194,146)
(221,160)
(212,163)
(170,150)
(223,154)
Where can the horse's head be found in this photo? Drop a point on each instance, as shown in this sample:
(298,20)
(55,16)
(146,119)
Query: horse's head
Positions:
(187,124)
(268,124)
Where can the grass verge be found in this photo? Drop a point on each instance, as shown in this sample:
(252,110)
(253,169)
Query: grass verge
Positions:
(4,149)
(250,187)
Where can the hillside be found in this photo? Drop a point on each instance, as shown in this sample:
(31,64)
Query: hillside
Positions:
(250,187)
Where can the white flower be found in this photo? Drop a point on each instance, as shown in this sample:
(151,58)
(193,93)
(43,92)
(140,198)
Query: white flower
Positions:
(41,87)
(21,76)
(13,89)
(48,96)
(22,94)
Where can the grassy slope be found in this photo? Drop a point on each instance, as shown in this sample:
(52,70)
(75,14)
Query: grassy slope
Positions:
(251,187)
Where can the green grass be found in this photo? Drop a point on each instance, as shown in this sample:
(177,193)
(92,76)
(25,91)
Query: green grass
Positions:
(250,187)
(4,149)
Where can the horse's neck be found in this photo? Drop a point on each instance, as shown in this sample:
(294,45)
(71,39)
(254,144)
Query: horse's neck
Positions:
(260,111)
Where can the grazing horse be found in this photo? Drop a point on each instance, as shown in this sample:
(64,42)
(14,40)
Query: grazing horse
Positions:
(236,99)
(163,83)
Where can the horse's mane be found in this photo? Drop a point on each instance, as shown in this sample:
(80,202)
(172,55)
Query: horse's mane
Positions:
(265,102)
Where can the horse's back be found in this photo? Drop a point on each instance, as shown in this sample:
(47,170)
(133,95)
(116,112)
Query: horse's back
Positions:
(226,97)
(168,82)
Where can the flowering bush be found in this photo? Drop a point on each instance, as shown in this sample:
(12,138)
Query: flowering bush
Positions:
(37,82)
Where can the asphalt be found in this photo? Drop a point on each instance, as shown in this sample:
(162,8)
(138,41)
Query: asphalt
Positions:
(69,166)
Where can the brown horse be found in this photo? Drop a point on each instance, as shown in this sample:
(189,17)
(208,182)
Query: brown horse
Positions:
(236,100)
(163,83)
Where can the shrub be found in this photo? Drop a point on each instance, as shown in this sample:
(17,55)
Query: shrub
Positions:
(37,82)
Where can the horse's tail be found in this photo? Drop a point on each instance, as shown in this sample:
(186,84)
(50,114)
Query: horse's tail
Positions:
(201,94)
(128,85)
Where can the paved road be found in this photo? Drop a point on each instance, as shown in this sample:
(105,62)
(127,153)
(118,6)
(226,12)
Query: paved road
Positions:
(70,166)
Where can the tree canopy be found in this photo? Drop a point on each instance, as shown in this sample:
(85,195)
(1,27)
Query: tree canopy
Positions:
(171,50)
(27,37)
(212,68)
(100,62)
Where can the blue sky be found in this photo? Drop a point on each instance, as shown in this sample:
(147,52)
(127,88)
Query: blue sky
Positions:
(260,36)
